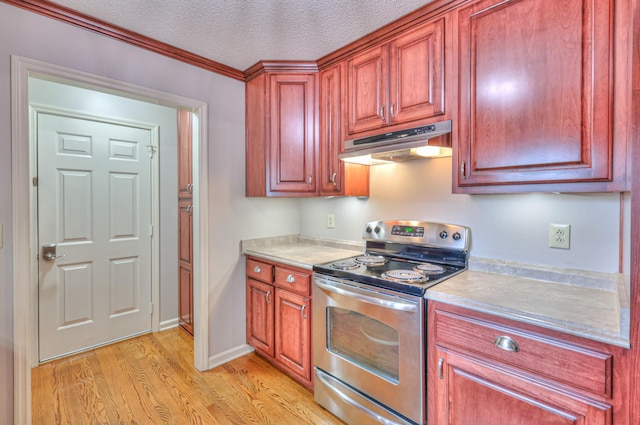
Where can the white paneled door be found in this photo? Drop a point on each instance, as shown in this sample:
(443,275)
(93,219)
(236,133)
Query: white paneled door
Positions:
(94,204)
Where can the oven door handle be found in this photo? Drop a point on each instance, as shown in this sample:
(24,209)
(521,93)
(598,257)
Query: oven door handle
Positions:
(344,397)
(376,300)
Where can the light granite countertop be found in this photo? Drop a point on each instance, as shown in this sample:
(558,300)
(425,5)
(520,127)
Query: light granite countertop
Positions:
(586,304)
(300,251)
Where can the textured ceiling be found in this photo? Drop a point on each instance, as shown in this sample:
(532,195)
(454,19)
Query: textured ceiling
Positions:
(239,33)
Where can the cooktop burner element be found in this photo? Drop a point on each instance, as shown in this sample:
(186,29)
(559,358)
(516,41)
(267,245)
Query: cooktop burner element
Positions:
(404,276)
(405,256)
(430,269)
(345,265)
(371,260)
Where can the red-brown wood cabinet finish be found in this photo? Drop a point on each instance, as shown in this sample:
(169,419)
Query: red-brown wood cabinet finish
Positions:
(333,171)
(293,332)
(279,316)
(282,140)
(185,151)
(260,316)
(398,82)
(185,221)
(551,379)
(185,264)
(536,87)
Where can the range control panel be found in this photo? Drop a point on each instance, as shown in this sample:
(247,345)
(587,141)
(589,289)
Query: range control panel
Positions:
(439,235)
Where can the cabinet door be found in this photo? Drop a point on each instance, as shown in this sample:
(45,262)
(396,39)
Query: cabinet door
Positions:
(336,177)
(185,148)
(260,318)
(185,265)
(293,139)
(367,85)
(416,74)
(331,168)
(470,391)
(293,332)
(535,92)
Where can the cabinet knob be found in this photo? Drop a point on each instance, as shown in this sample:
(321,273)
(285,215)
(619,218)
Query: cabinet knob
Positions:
(310,180)
(506,343)
(257,269)
(291,279)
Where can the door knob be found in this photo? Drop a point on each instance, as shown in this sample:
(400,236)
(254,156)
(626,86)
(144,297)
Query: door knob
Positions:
(49,252)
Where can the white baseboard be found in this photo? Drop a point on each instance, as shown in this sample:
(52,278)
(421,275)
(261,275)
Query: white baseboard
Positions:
(168,324)
(229,355)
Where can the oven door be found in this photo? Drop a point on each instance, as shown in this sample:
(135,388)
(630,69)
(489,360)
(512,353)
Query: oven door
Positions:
(371,340)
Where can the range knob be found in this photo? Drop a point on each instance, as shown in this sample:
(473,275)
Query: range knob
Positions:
(377,229)
(443,234)
(368,229)
(456,236)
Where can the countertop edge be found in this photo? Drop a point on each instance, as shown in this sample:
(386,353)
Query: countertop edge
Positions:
(541,321)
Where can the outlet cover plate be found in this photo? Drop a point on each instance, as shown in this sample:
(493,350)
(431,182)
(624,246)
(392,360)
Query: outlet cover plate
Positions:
(559,235)
(331,221)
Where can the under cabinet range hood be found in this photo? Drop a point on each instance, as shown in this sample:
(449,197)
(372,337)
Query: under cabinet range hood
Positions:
(428,141)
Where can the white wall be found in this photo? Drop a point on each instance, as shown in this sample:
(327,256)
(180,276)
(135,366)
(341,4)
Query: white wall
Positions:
(233,217)
(506,227)
(101,104)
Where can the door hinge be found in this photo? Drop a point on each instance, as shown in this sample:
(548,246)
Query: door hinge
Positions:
(152,150)
(151,307)
(34,181)
(151,230)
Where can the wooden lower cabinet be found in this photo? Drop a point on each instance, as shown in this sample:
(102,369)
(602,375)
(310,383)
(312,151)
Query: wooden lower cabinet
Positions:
(279,317)
(483,369)
(185,265)
(260,317)
(293,332)
(471,391)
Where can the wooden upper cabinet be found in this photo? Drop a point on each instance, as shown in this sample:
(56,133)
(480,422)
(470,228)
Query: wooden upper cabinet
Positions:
(416,74)
(397,82)
(367,90)
(185,147)
(293,133)
(535,94)
(282,132)
(333,171)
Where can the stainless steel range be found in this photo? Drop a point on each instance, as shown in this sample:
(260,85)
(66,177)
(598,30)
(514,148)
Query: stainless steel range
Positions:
(369,320)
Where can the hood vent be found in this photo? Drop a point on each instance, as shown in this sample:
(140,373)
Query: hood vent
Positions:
(428,141)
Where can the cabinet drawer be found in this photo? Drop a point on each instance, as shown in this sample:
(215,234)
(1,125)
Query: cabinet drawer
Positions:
(537,354)
(259,271)
(293,281)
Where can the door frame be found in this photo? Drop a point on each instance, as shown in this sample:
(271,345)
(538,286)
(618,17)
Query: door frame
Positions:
(25,249)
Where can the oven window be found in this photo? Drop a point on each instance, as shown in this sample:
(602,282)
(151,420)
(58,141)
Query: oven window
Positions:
(364,341)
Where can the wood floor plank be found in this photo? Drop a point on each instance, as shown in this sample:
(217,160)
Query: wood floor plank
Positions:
(151,380)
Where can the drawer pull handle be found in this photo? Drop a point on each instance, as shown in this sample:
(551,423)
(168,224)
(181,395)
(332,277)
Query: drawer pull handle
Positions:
(506,343)
(440,364)
(257,269)
(291,279)
(267,297)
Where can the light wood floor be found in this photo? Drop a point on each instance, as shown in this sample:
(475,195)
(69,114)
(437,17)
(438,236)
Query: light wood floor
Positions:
(151,380)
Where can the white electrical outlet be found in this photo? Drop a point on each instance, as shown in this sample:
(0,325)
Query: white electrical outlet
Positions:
(331,221)
(559,235)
